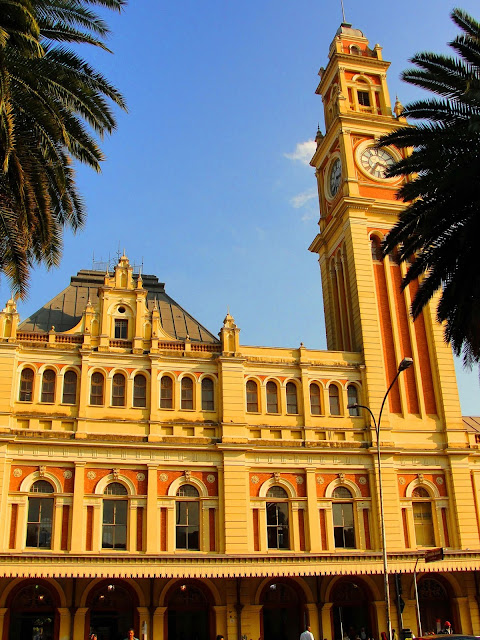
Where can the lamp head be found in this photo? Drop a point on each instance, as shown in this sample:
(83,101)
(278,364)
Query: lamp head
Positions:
(355,405)
(405,363)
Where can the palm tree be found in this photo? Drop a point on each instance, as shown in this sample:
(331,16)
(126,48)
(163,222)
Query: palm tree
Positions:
(437,234)
(52,107)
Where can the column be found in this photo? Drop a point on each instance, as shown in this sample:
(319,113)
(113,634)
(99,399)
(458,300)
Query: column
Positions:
(79,631)
(152,533)
(262,529)
(171,527)
(77,543)
(158,623)
(327,630)
(132,528)
(251,618)
(5,468)
(329,528)
(313,618)
(295,529)
(64,626)
(381,615)
(57,526)
(220,620)
(2,618)
(463,615)
(97,527)
(312,524)
(143,617)
(21,524)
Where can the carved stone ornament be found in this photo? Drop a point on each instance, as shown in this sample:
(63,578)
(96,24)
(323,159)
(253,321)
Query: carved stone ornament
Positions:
(362,480)
(140,477)
(41,470)
(188,475)
(401,480)
(299,479)
(439,480)
(91,475)
(341,477)
(421,479)
(115,473)
(276,476)
(163,477)
(254,479)
(67,474)
(17,473)
(211,478)
(320,479)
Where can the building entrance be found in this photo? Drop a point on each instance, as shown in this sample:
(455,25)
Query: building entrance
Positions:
(351,610)
(188,614)
(283,612)
(33,614)
(111,612)
(435,607)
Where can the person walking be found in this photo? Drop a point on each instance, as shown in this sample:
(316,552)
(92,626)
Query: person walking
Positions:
(131,634)
(307,634)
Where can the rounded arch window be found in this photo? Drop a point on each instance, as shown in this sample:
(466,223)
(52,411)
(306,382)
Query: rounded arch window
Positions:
(187,393)
(48,385)
(315,404)
(420,492)
(352,395)
(140,391)
(292,401)
(423,517)
(187,525)
(118,390)
(40,515)
(97,388)
(166,393)
(115,489)
(343,519)
(376,248)
(252,396)
(115,515)
(207,395)
(277,518)
(334,400)
(354,50)
(70,387)
(272,397)
(26,385)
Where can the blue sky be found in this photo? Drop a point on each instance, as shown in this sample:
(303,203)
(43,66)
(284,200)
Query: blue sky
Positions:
(204,179)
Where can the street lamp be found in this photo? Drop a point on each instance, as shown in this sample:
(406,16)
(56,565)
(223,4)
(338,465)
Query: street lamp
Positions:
(404,364)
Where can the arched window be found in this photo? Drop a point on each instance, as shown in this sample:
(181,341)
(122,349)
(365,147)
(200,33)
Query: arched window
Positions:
(334,400)
(423,518)
(48,385)
(40,515)
(69,387)
(352,395)
(207,395)
(252,396)
(26,385)
(354,50)
(187,528)
(166,393)
(315,404)
(187,393)
(96,388)
(376,248)
(277,518)
(343,522)
(292,402)
(139,391)
(115,510)
(118,390)
(272,397)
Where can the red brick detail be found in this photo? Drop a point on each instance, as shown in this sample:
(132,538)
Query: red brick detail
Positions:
(16,482)
(89,541)
(404,336)
(366,525)
(405,528)
(387,335)
(431,477)
(65,522)
(211,528)
(353,477)
(131,474)
(301,529)
(13,527)
(197,374)
(65,483)
(424,359)
(445,527)
(289,477)
(163,486)
(323,529)
(163,529)
(177,373)
(139,528)
(256,541)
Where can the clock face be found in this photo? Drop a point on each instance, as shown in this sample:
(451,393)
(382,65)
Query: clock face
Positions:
(376,161)
(335,177)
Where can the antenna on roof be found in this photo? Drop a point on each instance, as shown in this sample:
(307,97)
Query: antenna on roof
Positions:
(343,11)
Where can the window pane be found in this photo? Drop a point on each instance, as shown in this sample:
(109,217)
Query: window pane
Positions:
(166,393)
(115,489)
(41,486)
(118,390)
(272,397)
(422,518)
(181,513)
(333,396)
(193,513)
(207,394)
(363,98)
(193,538)
(34,509)
(96,389)
(181,538)
(70,388)
(187,393)
(121,329)
(277,492)
(315,399)
(292,398)
(120,537)
(26,385)
(108,512)
(139,391)
(341,492)
(188,490)
(353,399)
(252,396)
(48,386)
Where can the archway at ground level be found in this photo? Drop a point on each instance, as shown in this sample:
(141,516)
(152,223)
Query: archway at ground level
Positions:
(351,610)
(283,615)
(189,613)
(435,605)
(113,610)
(33,613)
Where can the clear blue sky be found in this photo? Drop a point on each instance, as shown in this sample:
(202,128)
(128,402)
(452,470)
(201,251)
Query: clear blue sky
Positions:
(198,182)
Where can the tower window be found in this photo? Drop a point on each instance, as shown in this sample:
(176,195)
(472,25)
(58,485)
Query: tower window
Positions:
(352,395)
(277,518)
(115,512)
(26,385)
(40,516)
(354,50)
(96,389)
(166,393)
(140,391)
(363,98)
(272,397)
(315,405)
(48,386)
(118,390)
(292,403)
(207,395)
(187,393)
(121,329)
(334,400)
(187,529)
(343,523)
(69,387)
(423,518)
(376,249)
(252,396)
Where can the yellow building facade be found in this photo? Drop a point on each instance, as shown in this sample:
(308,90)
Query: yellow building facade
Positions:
(156,476)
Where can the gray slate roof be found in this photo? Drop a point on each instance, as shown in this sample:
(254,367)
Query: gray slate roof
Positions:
(65,310)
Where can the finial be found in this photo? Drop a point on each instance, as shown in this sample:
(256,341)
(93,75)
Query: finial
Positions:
(343,11)
(398,109)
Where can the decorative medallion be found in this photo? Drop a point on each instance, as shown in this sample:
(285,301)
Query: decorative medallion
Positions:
(362,480)
(211,478)
(140,477)
(320,479)
(163,477)
(254,479)
(17,473)
(67,474)
(439,480)
(91,475)
(299,479)
(401,480)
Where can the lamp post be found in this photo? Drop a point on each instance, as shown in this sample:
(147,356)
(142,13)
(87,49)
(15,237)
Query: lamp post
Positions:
(404,364)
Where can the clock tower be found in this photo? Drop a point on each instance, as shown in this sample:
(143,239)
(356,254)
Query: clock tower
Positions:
(364,307)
